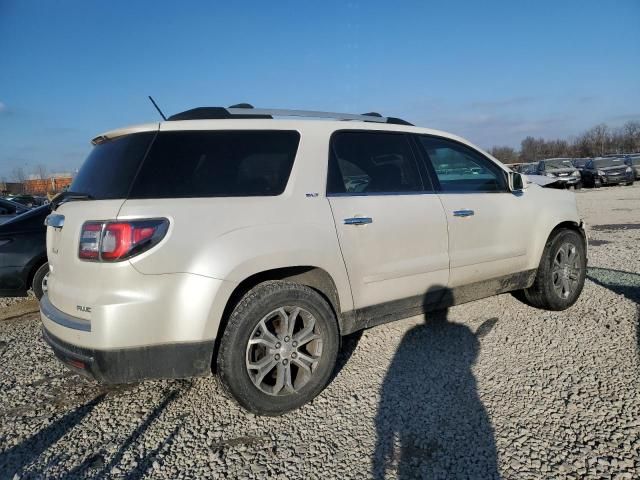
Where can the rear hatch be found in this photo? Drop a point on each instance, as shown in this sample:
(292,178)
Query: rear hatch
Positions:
(103,181)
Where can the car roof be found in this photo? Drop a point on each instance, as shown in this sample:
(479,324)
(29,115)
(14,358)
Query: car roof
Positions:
(244,117)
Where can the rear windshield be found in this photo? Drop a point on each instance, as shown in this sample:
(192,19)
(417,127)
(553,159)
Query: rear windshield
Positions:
(110,167)
(217,164)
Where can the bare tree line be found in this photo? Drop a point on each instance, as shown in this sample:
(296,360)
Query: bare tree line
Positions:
(19,175)
(597,141)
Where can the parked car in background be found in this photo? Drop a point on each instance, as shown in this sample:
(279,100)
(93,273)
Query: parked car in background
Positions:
(607,171)
(562,169)
(528,168)
(312,230)
(10,209)
(634,162)
(23,254)
(26,200)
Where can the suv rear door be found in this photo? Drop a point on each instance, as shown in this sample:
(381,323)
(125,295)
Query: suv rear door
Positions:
(391,226)
(488,224)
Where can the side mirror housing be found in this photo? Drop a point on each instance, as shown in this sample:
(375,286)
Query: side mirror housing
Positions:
(517,182)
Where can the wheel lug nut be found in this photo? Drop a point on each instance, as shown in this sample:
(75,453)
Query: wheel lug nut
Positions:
(277,356)
(285,361)
(294,355)
(295,344)
(286,339)
(278,345)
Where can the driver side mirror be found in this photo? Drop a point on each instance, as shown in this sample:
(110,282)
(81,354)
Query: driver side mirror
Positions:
(517,182)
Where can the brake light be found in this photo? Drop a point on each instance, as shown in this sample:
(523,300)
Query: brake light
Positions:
(114,241)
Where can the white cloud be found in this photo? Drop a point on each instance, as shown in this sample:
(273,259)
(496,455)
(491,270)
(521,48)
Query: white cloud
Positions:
(3,107)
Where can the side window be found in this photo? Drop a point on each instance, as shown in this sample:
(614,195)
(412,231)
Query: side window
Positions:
(372,162)
(460,168)
(217,164)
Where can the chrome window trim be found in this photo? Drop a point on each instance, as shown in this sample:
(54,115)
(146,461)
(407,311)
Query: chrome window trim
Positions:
(377,194)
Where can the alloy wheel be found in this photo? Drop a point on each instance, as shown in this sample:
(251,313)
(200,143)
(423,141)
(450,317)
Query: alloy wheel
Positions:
(284,350)
(566,270)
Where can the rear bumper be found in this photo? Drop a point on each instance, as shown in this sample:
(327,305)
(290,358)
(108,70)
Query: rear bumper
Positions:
(129,365)
(125,364)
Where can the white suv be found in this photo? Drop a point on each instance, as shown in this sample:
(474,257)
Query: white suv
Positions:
(225,240)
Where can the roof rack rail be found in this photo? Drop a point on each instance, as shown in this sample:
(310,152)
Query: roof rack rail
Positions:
(245,110)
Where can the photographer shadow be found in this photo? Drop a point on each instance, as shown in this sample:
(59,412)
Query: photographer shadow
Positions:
(431,422)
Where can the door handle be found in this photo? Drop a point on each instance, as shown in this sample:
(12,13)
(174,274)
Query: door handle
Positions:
(358,220)
(463,213)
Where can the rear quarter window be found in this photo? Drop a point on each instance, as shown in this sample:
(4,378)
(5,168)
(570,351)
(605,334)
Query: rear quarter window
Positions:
(217,164)
(109,169)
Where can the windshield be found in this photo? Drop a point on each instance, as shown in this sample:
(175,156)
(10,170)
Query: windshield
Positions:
(634,160)
(580,162)
(558,163)
(529,168)
(609,162)
(109,169)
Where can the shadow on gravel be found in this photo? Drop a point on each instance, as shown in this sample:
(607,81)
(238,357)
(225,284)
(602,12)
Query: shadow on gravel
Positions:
(349,345)
(618,281)
(16,458)
(622,283)
(430,421)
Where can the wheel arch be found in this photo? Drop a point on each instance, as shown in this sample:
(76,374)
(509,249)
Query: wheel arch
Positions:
(37,263)
(311,276)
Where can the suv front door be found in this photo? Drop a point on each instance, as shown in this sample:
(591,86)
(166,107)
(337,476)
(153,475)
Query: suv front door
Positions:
(488,224)
(391,226)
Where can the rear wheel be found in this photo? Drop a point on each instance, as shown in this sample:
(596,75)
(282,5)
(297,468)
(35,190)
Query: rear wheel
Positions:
(629,183)
(561,273)
(40,283)
(279,348)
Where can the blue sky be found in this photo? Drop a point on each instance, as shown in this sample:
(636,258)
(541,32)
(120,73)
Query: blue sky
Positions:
(493,71)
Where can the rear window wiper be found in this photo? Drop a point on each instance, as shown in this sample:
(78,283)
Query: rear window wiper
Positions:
(67,197)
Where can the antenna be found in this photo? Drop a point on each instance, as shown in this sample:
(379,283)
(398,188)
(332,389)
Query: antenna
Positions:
(157,108)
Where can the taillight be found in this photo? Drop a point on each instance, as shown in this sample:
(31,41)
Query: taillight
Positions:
(114,241)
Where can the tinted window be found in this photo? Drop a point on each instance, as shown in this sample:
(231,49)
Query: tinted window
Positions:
(460,168)
(372,162)
(8,208)
(217,164)
(110,168)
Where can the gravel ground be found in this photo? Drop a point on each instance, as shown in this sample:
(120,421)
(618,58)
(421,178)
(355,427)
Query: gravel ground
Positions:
(488,389)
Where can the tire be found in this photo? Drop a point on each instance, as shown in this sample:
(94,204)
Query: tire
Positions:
(39,282)
(548,291)
(261,316)
(579,186)
(629,183)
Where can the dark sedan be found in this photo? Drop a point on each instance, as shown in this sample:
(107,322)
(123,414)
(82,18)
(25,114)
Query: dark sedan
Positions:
(23,254)
(607,171)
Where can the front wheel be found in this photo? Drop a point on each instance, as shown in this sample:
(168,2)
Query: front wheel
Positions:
(561,272)
(279,348)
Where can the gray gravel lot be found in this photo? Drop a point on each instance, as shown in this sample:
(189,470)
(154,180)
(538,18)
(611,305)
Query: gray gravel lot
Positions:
(488,389)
